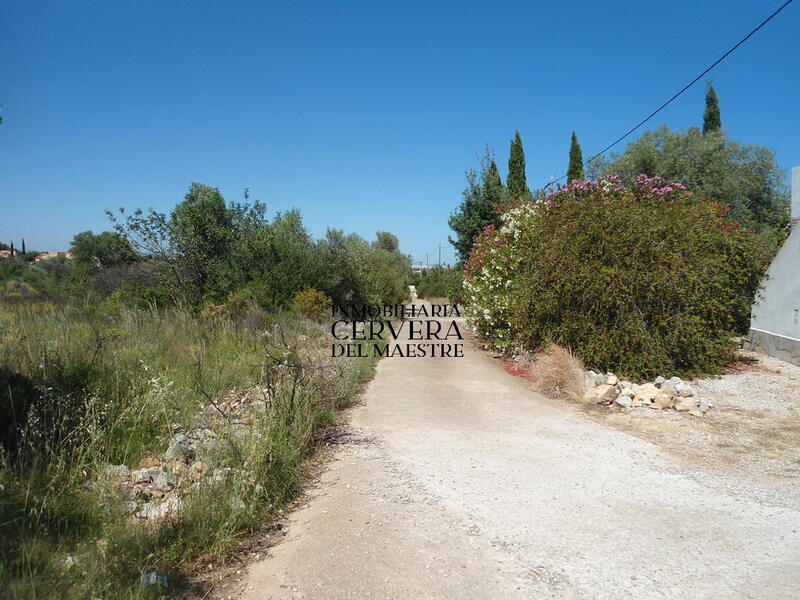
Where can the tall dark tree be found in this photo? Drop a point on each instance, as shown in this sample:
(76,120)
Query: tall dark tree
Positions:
(23,245)
(479,206)
(493,189)
(575,170)
(711,118)
(516,182)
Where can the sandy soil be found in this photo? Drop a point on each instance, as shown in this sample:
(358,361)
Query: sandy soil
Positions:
(458,481)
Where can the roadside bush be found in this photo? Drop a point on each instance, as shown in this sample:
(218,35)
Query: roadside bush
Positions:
(639,280)
(441,282)
(314,304)
(454,288)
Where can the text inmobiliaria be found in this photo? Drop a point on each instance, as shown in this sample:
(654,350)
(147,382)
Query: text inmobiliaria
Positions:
(395,330)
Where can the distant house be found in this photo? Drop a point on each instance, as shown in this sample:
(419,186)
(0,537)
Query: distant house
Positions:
(51,255)
(5,253)
(420,269)
(775,321)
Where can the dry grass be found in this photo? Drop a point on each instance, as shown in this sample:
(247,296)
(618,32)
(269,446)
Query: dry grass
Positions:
(558,373)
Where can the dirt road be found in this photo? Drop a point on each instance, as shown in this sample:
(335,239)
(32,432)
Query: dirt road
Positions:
(460,482)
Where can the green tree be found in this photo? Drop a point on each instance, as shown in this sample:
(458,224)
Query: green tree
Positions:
(494,191)
(480,203)
(388,273)
(744,178)
(516,181)
(193,249)
(385,241)
(575,170)
(357,272)
(345,258)
(102,250)
(207,250)
(711,118)
(287,260)
(202,233)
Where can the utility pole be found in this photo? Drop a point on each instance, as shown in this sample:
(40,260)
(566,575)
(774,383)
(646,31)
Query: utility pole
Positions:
(426,260)
(440,256)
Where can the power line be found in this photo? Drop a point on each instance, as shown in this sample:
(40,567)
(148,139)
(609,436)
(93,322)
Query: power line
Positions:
(686,87)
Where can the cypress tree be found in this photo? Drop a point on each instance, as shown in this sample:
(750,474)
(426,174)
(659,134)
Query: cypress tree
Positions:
(711,118)
(575,170)
(23,245)
(493,189)
(516,183)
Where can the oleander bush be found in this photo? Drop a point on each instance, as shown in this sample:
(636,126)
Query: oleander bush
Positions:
(640,280)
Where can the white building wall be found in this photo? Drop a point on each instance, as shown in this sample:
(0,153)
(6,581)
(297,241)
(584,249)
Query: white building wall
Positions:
(775,321)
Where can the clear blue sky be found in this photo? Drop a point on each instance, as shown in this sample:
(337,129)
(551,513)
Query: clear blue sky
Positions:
(364,115)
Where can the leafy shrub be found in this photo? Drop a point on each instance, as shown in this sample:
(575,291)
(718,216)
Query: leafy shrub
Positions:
(19,278)
(641,280)
(314,304)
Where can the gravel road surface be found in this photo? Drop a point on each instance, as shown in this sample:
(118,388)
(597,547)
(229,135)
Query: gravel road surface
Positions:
(458,481)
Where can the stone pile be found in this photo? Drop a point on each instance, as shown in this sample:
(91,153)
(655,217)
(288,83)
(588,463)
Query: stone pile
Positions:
(661,393)
(239,409)
(152,489)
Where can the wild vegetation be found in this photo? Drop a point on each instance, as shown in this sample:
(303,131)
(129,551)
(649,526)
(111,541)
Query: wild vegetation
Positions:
(83,390)
(208,318)
(207,252)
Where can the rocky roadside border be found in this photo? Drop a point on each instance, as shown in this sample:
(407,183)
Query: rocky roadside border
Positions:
(673,393)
